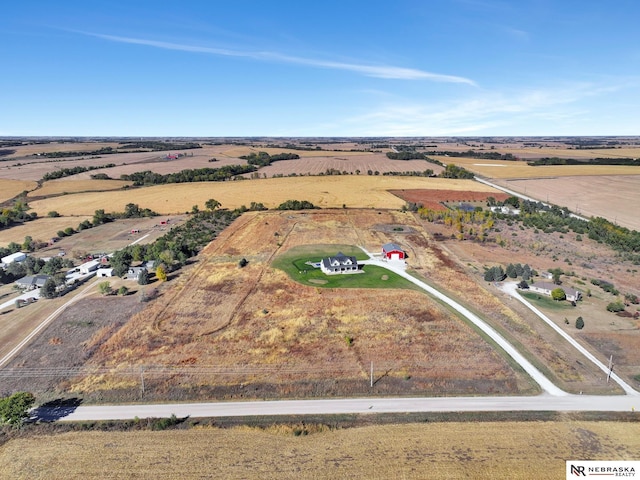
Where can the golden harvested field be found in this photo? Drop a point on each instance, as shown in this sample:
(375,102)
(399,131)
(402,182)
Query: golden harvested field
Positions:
(63,185)
(274,337)
(11,188)
(27,150)
(40,229)
(491,450)
(519,169)
(606,196)
(354,191)
(356,163)
(242,150)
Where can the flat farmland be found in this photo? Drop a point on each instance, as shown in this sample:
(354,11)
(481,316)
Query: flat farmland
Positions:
(500,169)
(606,196)
(11,188)
(43,228)
(355,162)
(456,450)
(230,332)
(433,199)
(64,186)
(353,191)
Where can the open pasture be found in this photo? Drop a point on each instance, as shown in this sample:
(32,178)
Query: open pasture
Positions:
(352,191)
(520,169)
(433,199)
(269,336)
(456,450)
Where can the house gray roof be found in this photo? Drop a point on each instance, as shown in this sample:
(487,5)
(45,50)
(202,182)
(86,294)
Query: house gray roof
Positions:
(33,280)
(552,286)
(338,260)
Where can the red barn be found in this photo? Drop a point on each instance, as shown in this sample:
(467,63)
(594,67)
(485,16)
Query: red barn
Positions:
(393,251)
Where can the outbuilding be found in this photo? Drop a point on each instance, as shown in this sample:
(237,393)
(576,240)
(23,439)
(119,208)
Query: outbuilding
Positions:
(14,257)
(393,251)
(89,267)
(104,272)
(32,281)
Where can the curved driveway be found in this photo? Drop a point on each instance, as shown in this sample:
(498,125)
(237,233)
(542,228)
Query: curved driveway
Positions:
(399,269)
(511,289)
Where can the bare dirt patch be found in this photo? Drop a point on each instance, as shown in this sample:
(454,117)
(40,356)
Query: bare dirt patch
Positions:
(67,343)
(433,199)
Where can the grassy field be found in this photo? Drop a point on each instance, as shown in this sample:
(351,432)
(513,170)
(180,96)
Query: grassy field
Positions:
(242,150)
(542,301)
(478,450)
(294,263)
(11,188)
(353,191)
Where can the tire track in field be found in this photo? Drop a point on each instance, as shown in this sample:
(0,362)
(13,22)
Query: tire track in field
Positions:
(254,285)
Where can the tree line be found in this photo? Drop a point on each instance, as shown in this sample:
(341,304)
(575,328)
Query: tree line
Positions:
(67,172)
(221,174)
(263,159)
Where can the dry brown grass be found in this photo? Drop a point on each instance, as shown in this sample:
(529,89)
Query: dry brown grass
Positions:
(27,150)
(58,187)
(241,151)
(11,188)
(513,450)
(354,191)
(41,229)
(257,317)
(515,169)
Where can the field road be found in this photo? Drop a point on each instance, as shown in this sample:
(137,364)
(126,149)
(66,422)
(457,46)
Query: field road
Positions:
(4,360)
(399,269)
(511,289)
(545,402)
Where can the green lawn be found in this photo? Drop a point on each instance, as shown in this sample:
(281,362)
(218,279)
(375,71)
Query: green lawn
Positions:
(293,262)
(542,301)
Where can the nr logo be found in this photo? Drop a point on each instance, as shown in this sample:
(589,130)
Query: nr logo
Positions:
(578,470)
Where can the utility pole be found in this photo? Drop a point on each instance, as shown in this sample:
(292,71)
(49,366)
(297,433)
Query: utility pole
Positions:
(372,374)
(142,380)
(610,368)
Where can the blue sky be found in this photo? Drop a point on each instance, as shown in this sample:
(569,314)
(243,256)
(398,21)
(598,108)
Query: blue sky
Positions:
(348,68)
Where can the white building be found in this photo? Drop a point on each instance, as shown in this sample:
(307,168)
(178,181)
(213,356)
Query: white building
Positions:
(14,257)
(89,267)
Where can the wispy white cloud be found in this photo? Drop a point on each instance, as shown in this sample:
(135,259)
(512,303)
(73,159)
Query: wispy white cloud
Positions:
(483,113)
(378,71)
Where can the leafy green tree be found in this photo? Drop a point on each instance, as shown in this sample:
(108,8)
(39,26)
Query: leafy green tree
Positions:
(558,294)
(28,244)
(615,307)
(212,204)
(143,277)
(123,291)
(49,289)
(121,261)
(105,288)
(579,323)
(14,410)
(495,274)
(52,266)
(511,271)
(53,214)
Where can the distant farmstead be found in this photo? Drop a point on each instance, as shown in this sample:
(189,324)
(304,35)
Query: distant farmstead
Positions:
(393,251)
(546,288)
(31,282)
(341,263)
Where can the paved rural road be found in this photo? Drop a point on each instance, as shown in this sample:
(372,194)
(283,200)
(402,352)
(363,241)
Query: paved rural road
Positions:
(622,403)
